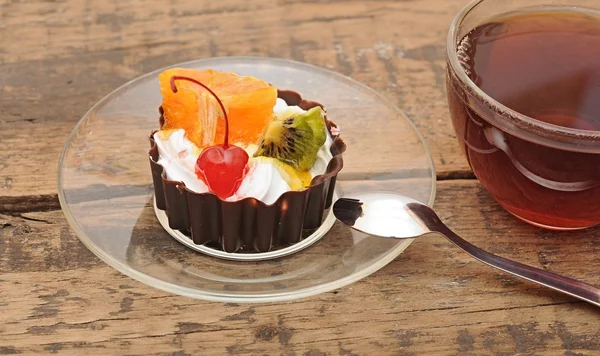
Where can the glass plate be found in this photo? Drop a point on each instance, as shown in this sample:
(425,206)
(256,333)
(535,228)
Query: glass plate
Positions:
(105,188)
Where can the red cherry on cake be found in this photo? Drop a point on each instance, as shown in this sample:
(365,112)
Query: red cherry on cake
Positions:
(222,167)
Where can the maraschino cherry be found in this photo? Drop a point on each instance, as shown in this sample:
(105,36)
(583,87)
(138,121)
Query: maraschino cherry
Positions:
(222,167)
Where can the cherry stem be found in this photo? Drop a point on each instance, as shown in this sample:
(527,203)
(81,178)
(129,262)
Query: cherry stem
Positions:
(174,89)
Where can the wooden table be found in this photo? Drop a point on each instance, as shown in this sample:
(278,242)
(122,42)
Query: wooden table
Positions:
(57,58)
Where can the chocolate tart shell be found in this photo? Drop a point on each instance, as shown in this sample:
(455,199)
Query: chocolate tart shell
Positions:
(248,224)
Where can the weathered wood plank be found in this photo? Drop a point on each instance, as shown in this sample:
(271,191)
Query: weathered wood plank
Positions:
(70,54)
(56,296)
(57,58)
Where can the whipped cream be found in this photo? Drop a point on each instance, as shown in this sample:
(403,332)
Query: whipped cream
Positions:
(263,181)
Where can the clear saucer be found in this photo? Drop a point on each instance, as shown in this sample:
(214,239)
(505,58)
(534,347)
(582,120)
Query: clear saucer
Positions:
(105,189)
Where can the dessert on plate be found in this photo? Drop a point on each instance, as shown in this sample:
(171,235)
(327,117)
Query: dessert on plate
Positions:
(240,163)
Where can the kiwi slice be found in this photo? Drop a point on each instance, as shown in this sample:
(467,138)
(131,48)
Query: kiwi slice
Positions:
(296,139)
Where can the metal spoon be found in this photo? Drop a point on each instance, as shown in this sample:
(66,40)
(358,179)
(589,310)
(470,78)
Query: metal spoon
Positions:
(395,216)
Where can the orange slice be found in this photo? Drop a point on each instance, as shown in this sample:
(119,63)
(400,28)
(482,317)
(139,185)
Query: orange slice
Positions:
(249,103)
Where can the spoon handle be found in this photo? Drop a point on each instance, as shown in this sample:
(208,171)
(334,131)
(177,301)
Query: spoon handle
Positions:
(572,287)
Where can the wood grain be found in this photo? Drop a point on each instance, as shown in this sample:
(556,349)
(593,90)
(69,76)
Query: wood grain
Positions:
(57,297)
(59,58)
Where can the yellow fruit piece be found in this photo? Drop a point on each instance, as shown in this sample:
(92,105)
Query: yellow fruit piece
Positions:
(297,180)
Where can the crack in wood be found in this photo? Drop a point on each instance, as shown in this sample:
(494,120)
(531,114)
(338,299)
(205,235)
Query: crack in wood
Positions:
(523,307)
(456,325)
(327,339)
(424,310)
(330,19)
(218,329)
(11,205)
(34,219)
(18,205)
(51,328)
(456,175)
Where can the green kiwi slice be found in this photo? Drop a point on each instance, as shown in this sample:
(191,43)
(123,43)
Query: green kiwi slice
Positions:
(295,140)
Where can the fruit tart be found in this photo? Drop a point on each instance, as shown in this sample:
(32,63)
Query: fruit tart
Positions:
(239,163)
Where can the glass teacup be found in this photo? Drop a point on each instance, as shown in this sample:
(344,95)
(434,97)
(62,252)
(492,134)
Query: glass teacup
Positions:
(525,117)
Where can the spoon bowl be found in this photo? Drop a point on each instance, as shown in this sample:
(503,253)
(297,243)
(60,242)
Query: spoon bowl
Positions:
(380,214)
